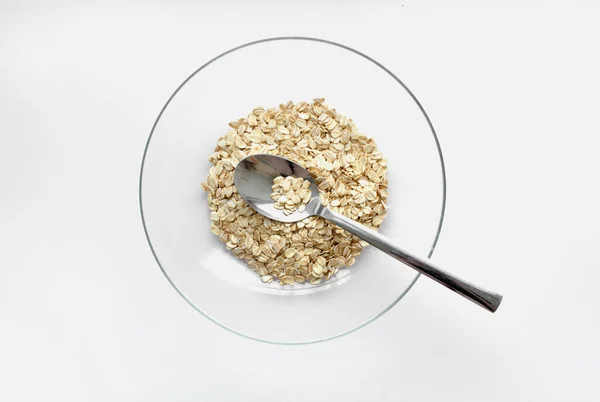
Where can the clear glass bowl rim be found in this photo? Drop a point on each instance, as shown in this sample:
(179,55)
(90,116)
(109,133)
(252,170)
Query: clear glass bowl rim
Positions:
(293,38)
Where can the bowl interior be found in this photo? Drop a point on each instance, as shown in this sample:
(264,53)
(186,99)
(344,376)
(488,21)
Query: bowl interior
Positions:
(176,215)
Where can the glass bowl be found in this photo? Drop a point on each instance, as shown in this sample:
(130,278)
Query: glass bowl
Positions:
(174,208)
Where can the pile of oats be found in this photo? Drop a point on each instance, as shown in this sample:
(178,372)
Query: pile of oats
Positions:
(290,194)
(347,166)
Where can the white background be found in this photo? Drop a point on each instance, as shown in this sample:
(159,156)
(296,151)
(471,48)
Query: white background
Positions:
(85,313)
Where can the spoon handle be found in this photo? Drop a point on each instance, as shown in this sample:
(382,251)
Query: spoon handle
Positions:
(486,299)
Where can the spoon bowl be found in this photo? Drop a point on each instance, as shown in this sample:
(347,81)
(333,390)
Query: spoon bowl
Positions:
(253,179)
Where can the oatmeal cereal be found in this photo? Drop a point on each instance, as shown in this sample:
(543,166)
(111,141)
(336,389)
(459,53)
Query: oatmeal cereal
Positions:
(290,194)
(351,174)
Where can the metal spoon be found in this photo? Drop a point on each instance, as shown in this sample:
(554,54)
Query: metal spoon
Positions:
(253,179)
